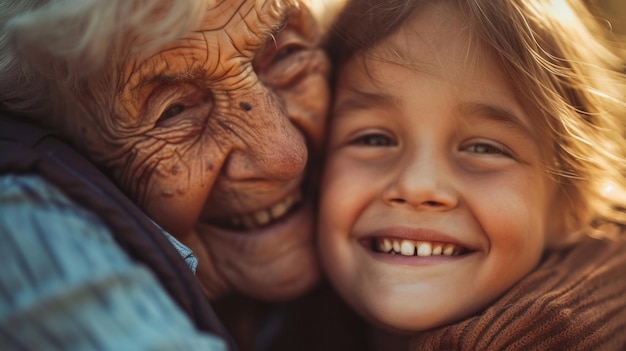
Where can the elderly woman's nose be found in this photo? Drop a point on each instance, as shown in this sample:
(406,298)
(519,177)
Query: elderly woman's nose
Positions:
(281,155)
(273,148)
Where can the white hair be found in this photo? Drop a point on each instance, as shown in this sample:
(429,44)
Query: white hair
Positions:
(50,49)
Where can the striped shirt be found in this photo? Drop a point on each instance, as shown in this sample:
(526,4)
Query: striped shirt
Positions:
(65,284)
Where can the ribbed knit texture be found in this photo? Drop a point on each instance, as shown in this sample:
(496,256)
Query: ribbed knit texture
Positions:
(575,300)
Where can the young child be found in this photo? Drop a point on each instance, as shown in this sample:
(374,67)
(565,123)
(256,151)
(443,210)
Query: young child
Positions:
(468,138)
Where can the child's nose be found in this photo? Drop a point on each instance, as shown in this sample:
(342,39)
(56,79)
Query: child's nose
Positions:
(425,183)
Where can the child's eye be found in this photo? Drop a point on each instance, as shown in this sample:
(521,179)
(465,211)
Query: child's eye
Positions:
(373,140)
(484,148)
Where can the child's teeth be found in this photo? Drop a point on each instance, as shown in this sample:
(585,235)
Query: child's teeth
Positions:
(396,246)
(407,248)
(448,250)
(386,245)
(420,248)
(437,250)
(424,249)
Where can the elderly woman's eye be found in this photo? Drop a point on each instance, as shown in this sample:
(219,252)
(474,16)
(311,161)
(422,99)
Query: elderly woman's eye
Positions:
(285,52)
(171,111)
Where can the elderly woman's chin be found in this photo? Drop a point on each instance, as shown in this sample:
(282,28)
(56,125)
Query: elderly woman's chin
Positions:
(269,259)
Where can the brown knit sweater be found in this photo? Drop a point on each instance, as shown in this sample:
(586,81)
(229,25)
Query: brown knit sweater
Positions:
(574,300)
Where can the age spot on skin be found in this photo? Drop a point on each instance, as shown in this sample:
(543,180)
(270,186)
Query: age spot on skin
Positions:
(174,170)
(245,106)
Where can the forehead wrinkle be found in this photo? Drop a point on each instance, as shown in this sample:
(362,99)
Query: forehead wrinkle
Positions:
(222,14)
(157,69)
(232,16)
(271,29)
(262,22)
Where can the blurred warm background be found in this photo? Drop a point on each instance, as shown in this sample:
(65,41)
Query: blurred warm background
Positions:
(325,9)
(614,11)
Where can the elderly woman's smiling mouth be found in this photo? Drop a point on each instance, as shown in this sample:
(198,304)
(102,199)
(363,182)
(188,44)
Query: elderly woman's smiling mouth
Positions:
(253,220)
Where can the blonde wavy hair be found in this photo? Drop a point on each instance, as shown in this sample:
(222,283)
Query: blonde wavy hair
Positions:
(52,51)
(564,61)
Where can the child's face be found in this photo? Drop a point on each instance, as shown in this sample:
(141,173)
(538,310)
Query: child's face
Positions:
(442,165)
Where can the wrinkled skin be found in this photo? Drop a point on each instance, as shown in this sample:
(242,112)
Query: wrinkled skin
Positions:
(217,125)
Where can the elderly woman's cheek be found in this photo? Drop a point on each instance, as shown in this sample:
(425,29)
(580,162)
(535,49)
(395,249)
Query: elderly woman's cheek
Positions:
(177,184)
(308,97)
(307,106)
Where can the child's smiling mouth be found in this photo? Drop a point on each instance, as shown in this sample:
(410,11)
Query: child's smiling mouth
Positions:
(418,246)
(407,247)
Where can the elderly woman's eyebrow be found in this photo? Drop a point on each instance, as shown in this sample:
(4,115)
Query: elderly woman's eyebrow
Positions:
(184,75)
(177,76)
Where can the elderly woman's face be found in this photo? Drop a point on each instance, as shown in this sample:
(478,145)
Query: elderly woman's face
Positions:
(213,136)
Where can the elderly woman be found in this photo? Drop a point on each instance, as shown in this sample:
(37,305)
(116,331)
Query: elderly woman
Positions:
(207,114)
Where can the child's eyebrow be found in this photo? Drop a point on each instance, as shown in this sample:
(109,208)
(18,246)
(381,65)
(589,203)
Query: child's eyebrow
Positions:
(498,114)
(362,100)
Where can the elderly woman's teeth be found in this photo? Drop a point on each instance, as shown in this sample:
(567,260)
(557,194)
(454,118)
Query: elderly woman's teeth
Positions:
(266,216)
(416,248)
